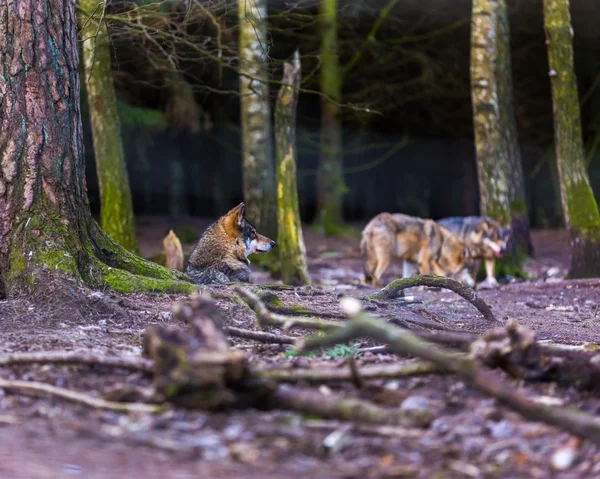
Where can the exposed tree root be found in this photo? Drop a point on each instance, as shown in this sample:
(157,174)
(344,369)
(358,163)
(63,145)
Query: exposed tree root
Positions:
(391,291)
(40,389)
(382,371)
(69,357)
(404,342)
(260,336)
(313,402)
(267,318)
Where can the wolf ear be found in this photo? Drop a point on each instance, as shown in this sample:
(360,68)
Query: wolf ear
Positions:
(234,219)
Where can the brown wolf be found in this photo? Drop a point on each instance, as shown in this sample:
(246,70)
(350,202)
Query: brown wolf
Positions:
(487,239)
(417,241)
(221,255)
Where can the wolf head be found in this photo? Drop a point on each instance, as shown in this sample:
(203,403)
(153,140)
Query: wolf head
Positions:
(250,240)
(495,236)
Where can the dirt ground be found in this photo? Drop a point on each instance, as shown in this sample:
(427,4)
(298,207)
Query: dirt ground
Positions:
(471,435)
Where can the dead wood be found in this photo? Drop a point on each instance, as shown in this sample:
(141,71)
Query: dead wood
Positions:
(350,409)
(381,371)
(514,348)
(260,336)
(76,357)
(404,342)
(41,389)
(267,318)
(392,290)
(173,252)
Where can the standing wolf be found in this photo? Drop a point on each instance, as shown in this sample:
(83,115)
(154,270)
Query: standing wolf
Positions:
(487,239)
(416,241)
(221,255)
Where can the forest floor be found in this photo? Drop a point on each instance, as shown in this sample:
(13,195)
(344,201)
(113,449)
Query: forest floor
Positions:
(471,435)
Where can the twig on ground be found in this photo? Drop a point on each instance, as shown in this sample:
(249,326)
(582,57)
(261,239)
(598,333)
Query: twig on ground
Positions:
(267,318)
(76,357)
(380,371)
(390,431)
(391,291)
(260,336)
(404,342)
(41,389)
(334,406)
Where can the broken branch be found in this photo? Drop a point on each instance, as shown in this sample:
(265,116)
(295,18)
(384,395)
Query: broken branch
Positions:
(268,318)
(41,389)
(391,291)
(260,336)
(76,357)
(404,342)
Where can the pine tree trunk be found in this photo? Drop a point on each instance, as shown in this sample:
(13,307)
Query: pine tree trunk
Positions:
(519,215)
(258,164)
(579,205)
(330,179)
(116,207)
(48,239)
(290,241)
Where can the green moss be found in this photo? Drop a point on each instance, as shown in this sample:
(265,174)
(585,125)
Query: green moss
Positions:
(125,282)
(583,209)
(518,207)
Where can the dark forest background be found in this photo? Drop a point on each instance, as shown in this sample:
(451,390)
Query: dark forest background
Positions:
(407,124)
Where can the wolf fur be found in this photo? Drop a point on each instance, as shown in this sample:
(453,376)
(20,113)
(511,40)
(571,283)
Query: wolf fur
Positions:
(417,241)
(221,255)
(487,239)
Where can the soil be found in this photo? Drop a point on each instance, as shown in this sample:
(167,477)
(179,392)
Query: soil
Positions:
(471,435)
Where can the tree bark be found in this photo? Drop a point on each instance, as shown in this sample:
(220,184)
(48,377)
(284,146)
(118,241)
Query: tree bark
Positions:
(290,241)
(579,205)
(330,178)
(116,207)
(47,234)
(258,168)
(519,215)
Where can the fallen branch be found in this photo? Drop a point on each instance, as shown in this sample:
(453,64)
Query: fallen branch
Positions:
(267,318)
(386,371)
(41,389)
(350,409)
(404,342)
(76,357)
(260,336)
(391,291)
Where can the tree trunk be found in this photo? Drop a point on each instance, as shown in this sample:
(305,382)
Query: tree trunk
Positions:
(116,207)
(519,214)
(290,241)
(47,235)
(257,147)
(579,205)
(330,179)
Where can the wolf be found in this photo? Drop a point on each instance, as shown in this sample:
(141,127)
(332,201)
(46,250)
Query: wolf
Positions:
(416,241)
(487,239)
(221,255)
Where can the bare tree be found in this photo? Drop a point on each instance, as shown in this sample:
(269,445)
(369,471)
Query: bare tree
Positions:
(578,203)
(290,241)
(257,143)
(47,234)
(116,207)
(330,177)
(501,184)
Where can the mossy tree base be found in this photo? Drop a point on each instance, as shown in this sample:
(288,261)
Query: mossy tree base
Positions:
(585,256)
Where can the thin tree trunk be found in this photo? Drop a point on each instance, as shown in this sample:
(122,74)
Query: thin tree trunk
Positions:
(258,167)
(579,205)
(116,207)
(48,239)
(290,241)
(492,155)
(519,214)
(330,179)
